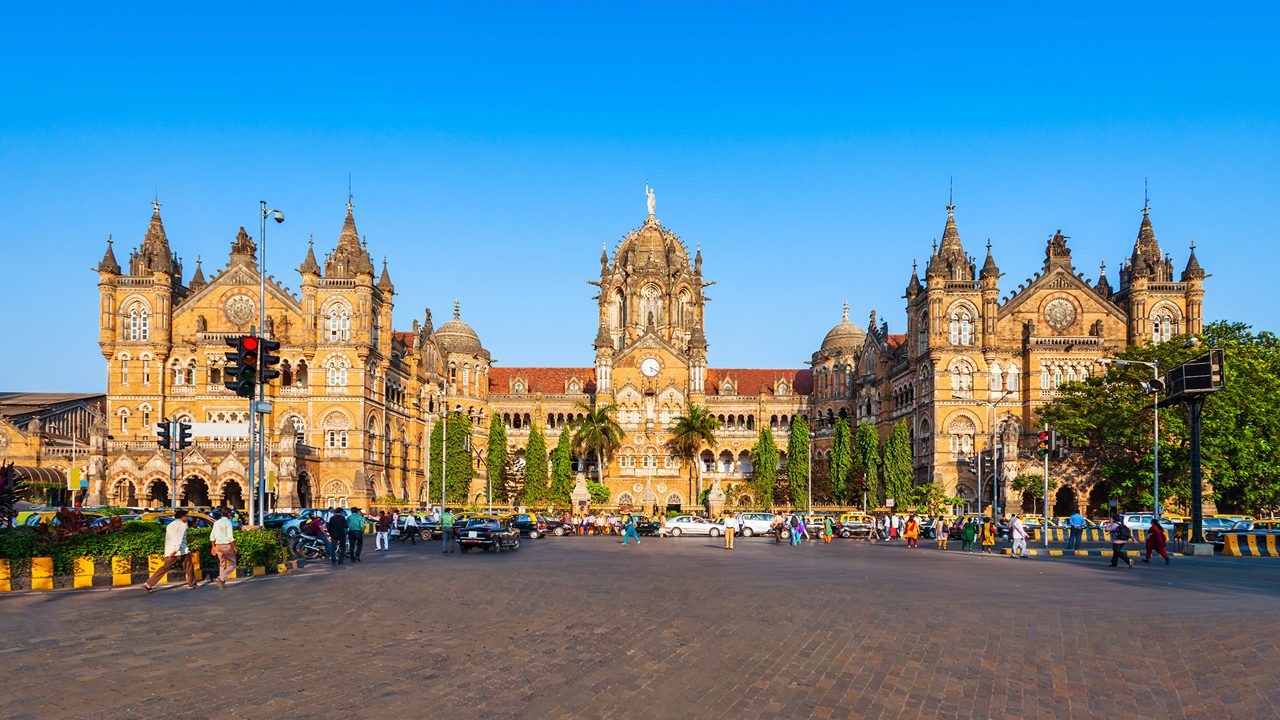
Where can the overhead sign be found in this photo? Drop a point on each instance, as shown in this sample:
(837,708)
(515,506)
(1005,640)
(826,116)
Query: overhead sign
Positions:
(218,430)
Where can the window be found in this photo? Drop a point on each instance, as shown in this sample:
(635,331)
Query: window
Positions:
(997,378)
(1163,325)
(1011,378)
(139,322)
(961,327)
(338,323)
(922,331)
(1044,379)
(650,306)
(299,430)
(962,378)
(961,431)
(124,371)
(146,371)
(336,373)
(336,439)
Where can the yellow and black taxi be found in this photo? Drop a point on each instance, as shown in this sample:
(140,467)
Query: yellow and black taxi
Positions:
(490,533)
(528,524)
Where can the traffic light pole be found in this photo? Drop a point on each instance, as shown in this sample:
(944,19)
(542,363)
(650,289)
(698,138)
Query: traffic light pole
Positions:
(1044,522)
(173,462)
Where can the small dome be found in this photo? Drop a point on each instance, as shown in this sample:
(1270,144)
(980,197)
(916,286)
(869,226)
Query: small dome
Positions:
(457,336)
(844,335)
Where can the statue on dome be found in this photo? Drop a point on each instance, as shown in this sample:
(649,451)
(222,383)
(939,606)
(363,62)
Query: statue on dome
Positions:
(648,194)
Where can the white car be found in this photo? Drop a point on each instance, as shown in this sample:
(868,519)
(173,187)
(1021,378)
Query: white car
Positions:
(693,525)
(755,523)
(1142,521)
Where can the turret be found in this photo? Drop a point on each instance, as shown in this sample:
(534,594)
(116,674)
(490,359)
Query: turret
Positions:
(990,279)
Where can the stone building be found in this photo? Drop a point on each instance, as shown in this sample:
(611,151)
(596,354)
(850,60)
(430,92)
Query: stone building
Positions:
(357,400)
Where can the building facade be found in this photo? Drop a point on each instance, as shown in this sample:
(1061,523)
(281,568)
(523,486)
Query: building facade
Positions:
(357,399)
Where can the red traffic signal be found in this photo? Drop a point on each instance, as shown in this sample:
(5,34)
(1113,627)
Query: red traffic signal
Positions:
(1042,447)
(243,371)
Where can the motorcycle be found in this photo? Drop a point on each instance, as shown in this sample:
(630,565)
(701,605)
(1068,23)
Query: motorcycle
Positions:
(309,547)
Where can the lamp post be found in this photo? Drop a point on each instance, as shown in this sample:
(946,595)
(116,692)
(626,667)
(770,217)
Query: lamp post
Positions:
(1153,388)
(262,328)
(995,474)
(444,443)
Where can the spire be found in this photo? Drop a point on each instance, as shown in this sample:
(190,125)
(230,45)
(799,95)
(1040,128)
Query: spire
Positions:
(604,257)
(846,311)
(350,257)
(384,282)
(697,260)
(457,310)
(989,268)
(914,287)
(108,262)
(197,279)
(951,235)
(1102,287)
(154,255)
(1147,258)
(309,265)
(1193,270)
(603,339)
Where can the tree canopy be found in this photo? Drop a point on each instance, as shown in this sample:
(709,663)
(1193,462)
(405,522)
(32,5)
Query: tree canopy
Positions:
(897,464)
(841,461)
(798,462)
(598,433)
(764,461)
(458,463)
(562,470)
(496,457)
(535,468)
(866,450)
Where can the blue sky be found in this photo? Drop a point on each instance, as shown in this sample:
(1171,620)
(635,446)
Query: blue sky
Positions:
(494,146)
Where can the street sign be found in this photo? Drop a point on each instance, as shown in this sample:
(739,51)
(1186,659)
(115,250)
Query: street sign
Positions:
(262,406)
(219,430)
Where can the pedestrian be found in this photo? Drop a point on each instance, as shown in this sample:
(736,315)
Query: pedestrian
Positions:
(729,528)
(337,527)
(175,551)
(1018,533)
(223,541)
(828,529)
(1076,523)
(662,525)
(893,528)
(911,531)
(987,534)
(410,529)
(446,530)
(629,530)
(1156,539)
(967,535)
(381,531)
(801,531)
(355,534)
(1120,534)
(941,528)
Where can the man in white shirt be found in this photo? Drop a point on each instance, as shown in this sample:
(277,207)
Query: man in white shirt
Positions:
(1018,533)
(730,526)
(224,546)
(175,551)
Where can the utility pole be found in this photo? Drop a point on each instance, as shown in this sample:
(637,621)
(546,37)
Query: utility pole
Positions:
(1044,522)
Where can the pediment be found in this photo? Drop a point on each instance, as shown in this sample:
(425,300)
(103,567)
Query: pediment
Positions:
(652,341)
(240,275)
(1060,280)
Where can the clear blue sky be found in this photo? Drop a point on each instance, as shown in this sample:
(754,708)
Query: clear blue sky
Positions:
(494,147)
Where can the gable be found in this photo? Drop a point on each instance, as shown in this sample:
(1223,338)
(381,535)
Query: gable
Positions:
(1056,283)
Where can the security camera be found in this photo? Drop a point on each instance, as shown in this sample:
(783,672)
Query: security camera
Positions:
(279,216)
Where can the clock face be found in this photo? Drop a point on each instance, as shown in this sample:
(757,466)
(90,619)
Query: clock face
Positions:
(1060,314)
(239,309)
(650,367)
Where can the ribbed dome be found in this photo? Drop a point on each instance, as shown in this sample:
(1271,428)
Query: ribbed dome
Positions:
(844,335)
(457,336)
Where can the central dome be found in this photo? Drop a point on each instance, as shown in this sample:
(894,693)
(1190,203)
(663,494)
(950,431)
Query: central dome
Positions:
(458,337)
(844,335)
(651,240)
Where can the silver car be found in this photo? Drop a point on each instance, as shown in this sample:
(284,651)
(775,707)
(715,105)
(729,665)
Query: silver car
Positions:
(693,525)
(755,523)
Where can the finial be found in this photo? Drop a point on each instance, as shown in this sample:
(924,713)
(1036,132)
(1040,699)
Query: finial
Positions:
(935,246)
(988,246)
(384,262)
(311,241)
(349,196)
(1102,267)
(951,194)
(155,204)
(457,314)
(1193,245)
(109,240)
(913,266)
(1146,198)
(846,311)
(197,261)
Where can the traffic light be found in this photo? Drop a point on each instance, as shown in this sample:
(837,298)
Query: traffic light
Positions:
(268,361)
(163,429)
(988,467)
(184,435)
(243,372)
(1057,445)
(1042,446)
(973,464)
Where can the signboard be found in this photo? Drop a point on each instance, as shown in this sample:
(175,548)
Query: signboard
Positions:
(225,431)
(1197,376)
(888,502)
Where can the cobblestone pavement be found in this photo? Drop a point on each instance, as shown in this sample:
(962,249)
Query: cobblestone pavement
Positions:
(677,628)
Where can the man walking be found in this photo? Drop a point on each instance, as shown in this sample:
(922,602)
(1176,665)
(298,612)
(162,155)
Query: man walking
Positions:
(382,531)
(446,530)
(1076,524)
(355,534)
(1120,534)
(175,551)
(410,530)
(337,527)
(1018,533)
(223,541)
(629,530)
(729,526)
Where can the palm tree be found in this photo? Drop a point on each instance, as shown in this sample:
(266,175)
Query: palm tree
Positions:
(691,431)
(598,433)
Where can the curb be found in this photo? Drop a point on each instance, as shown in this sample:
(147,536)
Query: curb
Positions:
(118,571)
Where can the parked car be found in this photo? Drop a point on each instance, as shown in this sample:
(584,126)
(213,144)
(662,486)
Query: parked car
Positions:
(693,525)
(489,533)
(528,524)
(1142,521)
(1213,528)
(556,526)
(277,520)
(756,523)
(854,525)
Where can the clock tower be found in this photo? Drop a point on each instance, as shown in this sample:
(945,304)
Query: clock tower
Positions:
(650,345)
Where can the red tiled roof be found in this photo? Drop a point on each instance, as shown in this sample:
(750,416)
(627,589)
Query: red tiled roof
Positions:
(406,338)
(546,380)
(894,340)
(747,381)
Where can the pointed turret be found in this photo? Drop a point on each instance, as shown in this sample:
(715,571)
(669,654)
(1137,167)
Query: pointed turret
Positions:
(604,258)
(949,259)
(913,286)
(697,260)
(950,234)
(1103,286)
(384,282)
(349,258)
(108,262)
(244,250)
(1193,270)
(309,265)
(989,268)
(603,339)
(197,279)
(698,338)
(154,255)
(1147,259)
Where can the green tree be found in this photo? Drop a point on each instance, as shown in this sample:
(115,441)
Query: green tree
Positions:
(458,463)
(764,463)
(841,461)
(599,493)
(798,462)
(695,428)
(1108,421)
(535,468)
(562,470)
(897,464)
(1033,484)
(929,500)
(496,459)
(866,449)
(598,433)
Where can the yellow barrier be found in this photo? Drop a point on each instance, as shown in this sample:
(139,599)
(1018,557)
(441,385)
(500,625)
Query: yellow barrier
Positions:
(1242,545)
(83,573)
(42,573)
(42,577)
(121,570)
(4,576)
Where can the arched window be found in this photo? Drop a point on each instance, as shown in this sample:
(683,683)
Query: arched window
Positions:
(338,322)
(651,305)
(922,331)
(336,372)
(997,378)
(139,327)
(124,370)
(962,431)
(1011,377)
(961,326)
(684,315)
(617,310)
(962,378)
(1164,324)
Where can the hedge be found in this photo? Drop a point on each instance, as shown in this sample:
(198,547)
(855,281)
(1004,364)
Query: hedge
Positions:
(135,539)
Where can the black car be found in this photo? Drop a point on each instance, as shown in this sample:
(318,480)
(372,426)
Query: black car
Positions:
(491,534)
(646,525)
(277,520)
(528,524)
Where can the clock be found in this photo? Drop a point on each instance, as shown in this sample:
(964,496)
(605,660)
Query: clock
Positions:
(650,367)
(1060,314)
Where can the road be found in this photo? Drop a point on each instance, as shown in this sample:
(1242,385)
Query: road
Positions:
(674,628)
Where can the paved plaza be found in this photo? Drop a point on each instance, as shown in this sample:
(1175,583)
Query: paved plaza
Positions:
(587,628)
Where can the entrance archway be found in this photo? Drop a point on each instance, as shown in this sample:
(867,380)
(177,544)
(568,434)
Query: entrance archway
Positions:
(1064,503)
(124,493)
(157,493)
(195,492)
(232,495)
(305,494)
(675,502)
(1099,496)
(1030,503)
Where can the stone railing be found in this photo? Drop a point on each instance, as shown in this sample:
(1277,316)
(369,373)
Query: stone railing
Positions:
(1066,342)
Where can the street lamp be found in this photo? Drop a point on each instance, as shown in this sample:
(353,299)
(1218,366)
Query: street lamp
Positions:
(1152,388)
(995,474)
(261,439)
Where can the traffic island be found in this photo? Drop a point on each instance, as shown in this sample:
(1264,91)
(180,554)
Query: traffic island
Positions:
(118,571)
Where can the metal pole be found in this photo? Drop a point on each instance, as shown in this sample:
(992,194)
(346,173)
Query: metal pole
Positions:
(809,469)
(1044,522)
(980,479)
(173,461)
(444,447)
(995,466)
(1155,407)
(262,329)
(1197,476)
(252,480)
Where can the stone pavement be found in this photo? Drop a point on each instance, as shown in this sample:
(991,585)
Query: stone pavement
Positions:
(674,628)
